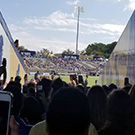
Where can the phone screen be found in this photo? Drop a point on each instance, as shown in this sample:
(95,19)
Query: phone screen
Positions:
(5,106)
(39,87)
(4,112)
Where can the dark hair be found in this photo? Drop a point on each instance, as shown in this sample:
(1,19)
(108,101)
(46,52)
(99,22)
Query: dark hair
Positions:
(106,89)
(56,85)
(68,113)
(13,83)
(46,83)
(17,98)
(112,86)
(31,110)
(119,106)
(119,120)
(97,101)
(31,91)
(18,79)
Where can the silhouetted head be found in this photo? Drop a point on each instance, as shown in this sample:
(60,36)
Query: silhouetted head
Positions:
(119,106)
(112,86)
(4,62)
(17,98)
(18,79)
(97,102)
(31,110)
(56,85)
(46,83)
(68,113)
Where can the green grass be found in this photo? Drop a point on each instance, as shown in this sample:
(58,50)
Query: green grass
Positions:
(91,79)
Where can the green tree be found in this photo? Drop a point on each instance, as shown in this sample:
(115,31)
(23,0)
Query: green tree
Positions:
(22,48)
(99,49)
(68,51)
(44,52)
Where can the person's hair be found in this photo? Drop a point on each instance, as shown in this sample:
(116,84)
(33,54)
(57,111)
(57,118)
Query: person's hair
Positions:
(56,85)
(31,91)
(4,62)
(82,88)
(132,96)
(13,83)
(46,83)
(120,119)
(18,79)
(31,110)
(106,89)
(17,99)
(119,105)
(68,112)
(112,86)
(97,102)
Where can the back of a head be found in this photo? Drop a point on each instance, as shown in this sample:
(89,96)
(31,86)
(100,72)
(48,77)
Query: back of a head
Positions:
(46,86)
(97,101)
(112,86)
(17,79)
(17,98)
(119,106)
(68,113)
(56,85)
(97,95)
(14,83)
(106,89)
(31,110)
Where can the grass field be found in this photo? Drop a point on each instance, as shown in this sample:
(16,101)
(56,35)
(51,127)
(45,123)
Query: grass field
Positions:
(91,79)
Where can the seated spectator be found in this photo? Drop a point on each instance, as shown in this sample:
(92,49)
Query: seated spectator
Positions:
(120,118)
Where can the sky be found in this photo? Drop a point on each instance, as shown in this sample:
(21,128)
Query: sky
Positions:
(52,24)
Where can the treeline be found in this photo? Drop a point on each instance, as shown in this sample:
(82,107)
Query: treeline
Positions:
(99,49)
(96,49)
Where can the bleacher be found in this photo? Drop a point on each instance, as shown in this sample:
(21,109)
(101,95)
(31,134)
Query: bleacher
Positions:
(60,65)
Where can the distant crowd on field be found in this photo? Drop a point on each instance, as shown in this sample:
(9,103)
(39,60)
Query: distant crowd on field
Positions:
(43,106)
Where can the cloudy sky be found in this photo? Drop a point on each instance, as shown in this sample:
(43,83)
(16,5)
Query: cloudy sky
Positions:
(52,24)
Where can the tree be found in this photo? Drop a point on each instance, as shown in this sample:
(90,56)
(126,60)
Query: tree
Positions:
(22,48)
(100,49)
(44,52)
(68,51)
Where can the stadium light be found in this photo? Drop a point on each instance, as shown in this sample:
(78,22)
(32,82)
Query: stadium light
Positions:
(78,10)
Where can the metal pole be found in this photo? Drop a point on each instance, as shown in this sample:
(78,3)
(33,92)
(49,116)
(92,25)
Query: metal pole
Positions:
(77,35)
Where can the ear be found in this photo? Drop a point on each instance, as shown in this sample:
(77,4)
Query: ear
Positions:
(47,128)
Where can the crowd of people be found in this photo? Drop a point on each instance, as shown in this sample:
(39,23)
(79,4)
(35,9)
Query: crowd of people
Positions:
(44,106)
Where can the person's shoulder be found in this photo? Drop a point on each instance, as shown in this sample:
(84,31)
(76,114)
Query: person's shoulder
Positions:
(92,130)
(38,129)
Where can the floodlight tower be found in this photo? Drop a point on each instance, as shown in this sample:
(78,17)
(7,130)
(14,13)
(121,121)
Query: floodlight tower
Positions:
(78,10)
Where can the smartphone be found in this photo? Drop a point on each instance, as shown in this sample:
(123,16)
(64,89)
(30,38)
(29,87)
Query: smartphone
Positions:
(39,88)
(5,109)
(80,79)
